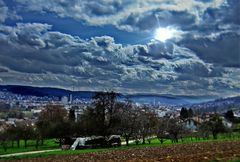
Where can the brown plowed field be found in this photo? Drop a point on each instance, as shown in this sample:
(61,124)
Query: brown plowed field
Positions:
(207,151)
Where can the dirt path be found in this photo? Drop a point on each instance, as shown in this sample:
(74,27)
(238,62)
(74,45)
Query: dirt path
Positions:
(27,153)
(207,151)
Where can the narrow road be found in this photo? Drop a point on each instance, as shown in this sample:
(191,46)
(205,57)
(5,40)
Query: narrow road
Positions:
(27,153)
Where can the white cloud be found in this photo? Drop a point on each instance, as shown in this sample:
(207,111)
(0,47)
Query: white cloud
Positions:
(6,13)
(33,54)
(3,11)
(104,12)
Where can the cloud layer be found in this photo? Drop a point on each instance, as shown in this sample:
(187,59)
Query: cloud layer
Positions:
(205,61)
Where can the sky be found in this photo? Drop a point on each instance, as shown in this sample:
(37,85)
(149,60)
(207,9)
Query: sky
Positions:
(164,47)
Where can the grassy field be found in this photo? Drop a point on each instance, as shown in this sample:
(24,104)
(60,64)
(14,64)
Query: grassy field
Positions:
(50,144)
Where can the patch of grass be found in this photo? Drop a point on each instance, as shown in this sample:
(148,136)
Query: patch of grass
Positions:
(47,145)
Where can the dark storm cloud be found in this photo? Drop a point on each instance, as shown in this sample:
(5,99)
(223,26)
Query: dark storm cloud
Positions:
(224,50)
(217,38)
(226,14)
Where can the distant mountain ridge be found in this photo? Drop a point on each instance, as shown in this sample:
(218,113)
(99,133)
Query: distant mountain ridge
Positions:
(57,92)
(44,91)
(219,105)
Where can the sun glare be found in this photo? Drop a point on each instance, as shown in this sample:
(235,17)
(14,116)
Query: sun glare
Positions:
(163,34)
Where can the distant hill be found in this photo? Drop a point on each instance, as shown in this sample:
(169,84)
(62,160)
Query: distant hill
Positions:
(44,91)
(219,105)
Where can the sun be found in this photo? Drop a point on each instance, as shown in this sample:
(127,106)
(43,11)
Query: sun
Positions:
(163,34)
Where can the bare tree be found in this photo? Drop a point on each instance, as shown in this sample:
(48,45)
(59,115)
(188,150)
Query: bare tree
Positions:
(215,125)
(128,121)
(27,132)
(102,117)
(49,120)
(105,106)
(162,129)
(174,129)
(53,113)
(148,123)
